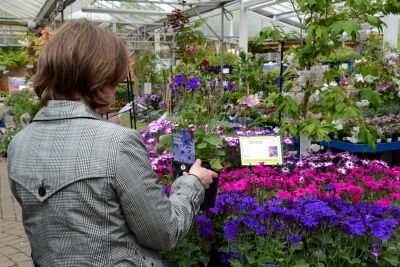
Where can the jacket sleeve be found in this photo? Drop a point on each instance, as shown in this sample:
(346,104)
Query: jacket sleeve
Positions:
(157,221)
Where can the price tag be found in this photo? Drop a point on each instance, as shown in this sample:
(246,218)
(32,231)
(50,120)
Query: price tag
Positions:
(255,150)
(147,88)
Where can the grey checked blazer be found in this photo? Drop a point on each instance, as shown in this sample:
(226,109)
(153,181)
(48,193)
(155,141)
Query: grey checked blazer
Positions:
(88,194)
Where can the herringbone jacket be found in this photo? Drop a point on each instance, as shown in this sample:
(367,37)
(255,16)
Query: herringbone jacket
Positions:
(88,194)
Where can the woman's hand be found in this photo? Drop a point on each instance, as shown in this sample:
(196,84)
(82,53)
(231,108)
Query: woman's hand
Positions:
(205,175)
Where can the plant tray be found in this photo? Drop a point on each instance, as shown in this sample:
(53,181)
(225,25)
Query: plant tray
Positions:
(361,148)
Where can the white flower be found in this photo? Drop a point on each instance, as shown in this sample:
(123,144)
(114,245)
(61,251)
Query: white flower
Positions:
(333,84)
(316,148)
(353,139)
(349,165)
(370,78)
(300,164)
(338,124)
(341,170)
(364,162)
(359,78)
(362,103)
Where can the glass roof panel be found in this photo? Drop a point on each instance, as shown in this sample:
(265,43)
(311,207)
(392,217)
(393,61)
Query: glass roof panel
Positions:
(22,8)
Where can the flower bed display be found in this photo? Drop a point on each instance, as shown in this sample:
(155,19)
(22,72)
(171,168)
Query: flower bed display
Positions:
(322,210)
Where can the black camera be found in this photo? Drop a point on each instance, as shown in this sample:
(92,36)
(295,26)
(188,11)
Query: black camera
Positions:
(209,199)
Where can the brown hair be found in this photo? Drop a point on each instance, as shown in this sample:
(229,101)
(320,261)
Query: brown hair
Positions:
(78,62)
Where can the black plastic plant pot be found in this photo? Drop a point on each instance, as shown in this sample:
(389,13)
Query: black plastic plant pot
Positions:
(209,199)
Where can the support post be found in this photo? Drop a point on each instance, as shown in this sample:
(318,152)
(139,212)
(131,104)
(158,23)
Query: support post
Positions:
(222,43)
(244,28)
(390,33)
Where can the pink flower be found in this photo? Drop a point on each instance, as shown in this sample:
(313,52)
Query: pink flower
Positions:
(284,195)
(383,202)
(395,195)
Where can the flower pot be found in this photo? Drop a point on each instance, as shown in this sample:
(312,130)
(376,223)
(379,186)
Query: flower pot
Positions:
(389,140)
(305,144)
(378,140)
(211,192)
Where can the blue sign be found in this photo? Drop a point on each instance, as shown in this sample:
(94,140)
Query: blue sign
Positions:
(184,150)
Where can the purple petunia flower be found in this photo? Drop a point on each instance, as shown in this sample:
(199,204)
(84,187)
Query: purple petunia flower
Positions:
(354,225)
(205,227)
(213,83)
(294,239)
(231,86)
(330,187)
(193,83)
(384,229)
(179,80)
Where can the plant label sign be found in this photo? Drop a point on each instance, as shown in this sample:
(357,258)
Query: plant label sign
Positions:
(184,150)
(147,88)
(255,150)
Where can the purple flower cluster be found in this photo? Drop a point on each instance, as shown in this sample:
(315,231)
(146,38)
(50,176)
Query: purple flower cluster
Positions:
(205,227)
(247,216)
(180,81)
(384,86)
(193,83)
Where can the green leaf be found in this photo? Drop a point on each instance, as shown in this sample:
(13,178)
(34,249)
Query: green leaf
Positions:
(275,35)
(216,164)
(392,260)
(350,27)
(165,140)
(202,145)
(235,263)
(301,263)
(337,27)
(213,139)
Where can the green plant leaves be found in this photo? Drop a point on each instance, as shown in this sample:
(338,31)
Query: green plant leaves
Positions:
(213,140)
(216,164)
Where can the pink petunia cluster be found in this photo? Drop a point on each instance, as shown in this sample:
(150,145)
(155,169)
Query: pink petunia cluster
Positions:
(341,176)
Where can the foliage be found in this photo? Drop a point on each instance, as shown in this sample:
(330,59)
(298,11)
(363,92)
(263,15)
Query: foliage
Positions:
(192,252)
(22,102)
(317,108)
(230,59)
(14,57)
(6,139)
(145,63)
(121,95)
(342,54)
(189,39)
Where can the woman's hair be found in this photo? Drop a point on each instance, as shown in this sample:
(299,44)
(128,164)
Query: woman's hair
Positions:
(78,62)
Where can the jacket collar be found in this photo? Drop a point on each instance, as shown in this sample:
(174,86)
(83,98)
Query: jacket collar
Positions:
(64,109)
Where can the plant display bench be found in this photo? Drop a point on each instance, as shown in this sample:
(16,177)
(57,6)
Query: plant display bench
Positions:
(389,151)
(361,148)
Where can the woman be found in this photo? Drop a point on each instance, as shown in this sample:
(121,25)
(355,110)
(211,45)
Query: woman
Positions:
(88,194)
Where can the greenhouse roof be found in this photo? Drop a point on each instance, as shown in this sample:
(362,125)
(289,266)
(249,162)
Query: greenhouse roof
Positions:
(138,12)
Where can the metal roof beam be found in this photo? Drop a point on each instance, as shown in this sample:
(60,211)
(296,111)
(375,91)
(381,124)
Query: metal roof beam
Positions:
(284,15)
(293,27)
(252,3)
(191,13)
(47,9)
(125,11)
(267,4)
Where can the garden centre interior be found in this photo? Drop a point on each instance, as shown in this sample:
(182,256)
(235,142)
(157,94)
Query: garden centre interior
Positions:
(295,103)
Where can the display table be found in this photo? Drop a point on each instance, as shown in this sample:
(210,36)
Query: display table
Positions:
(361,148)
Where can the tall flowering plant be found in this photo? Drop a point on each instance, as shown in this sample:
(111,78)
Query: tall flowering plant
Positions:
(198,99)
(313,110)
